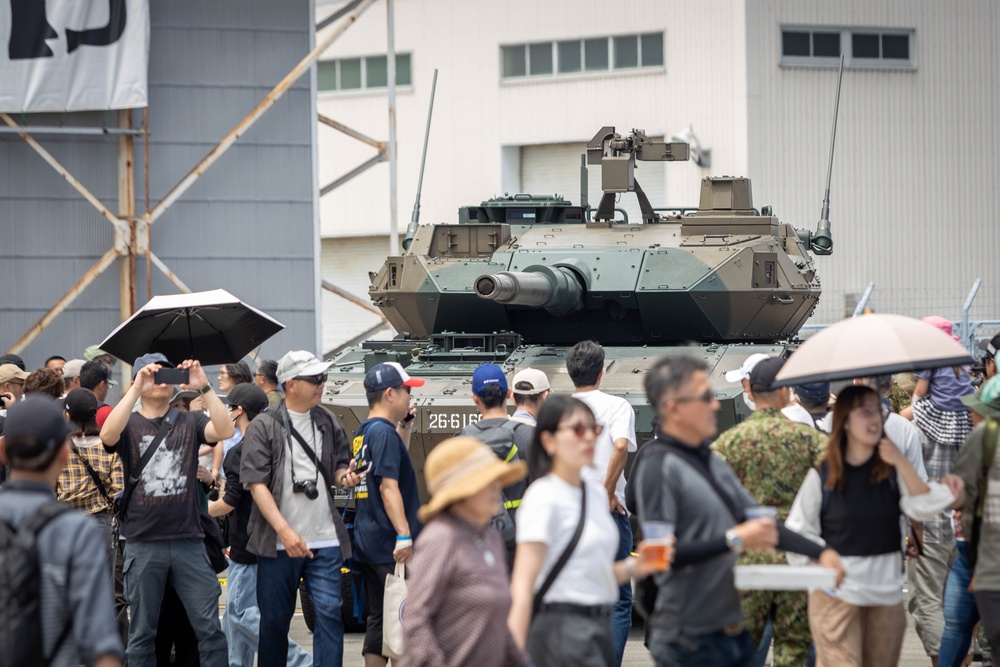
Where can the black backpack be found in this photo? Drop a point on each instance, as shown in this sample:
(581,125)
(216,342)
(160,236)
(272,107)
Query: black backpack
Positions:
(500,439)
(21,591)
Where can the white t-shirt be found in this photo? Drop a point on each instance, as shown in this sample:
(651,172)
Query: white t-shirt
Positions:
(906,436)
(311,519)
(549,514)
(618,419)
(799,414)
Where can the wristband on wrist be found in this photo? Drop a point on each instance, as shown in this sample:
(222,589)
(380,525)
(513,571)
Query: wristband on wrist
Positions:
(400,538)
(207,388)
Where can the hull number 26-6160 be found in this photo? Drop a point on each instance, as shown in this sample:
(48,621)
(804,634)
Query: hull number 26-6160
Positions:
(451,421)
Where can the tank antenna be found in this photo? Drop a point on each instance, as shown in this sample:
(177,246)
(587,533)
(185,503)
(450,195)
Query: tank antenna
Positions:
(821,242)
(411,229)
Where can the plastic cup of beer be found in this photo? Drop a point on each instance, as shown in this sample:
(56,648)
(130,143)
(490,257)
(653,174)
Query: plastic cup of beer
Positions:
(657,536)
(761,512)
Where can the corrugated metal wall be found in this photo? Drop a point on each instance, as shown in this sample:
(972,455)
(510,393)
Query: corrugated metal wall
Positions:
(346,263)
(914,202)
(250,225)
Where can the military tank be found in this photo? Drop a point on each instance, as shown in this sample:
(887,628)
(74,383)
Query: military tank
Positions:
(518,280)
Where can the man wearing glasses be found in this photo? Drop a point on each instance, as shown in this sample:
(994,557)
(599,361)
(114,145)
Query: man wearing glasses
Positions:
(386,521)
(695,614)
(771,455)
(293,456)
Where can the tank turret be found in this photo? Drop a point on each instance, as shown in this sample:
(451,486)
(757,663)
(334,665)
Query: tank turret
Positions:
(725,272)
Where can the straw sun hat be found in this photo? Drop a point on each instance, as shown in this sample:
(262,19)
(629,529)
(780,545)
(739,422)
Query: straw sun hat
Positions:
(462,467)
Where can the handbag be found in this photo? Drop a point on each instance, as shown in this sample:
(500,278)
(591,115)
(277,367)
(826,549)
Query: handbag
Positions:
(393,604)
(213,542)
(536,604)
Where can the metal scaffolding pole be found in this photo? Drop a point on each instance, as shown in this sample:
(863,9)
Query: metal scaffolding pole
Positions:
(269,100)
(391,74)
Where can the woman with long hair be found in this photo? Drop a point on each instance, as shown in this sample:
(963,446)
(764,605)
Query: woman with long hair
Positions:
(570,623)
(853,503)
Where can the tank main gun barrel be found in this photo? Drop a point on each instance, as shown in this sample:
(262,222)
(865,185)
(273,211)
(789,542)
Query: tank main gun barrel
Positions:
(555,289)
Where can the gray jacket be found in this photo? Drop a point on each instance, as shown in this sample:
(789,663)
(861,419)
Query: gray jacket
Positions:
(76,584)
(699,598)
(264,450)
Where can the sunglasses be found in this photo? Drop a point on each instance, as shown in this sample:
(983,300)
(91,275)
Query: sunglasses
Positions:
(312,379)
(582,429)
(707,397)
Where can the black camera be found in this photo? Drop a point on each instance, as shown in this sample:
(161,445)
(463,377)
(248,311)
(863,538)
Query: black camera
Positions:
(307,486)
(213,493)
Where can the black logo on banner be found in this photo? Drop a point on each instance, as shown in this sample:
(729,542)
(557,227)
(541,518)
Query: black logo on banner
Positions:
(30,29)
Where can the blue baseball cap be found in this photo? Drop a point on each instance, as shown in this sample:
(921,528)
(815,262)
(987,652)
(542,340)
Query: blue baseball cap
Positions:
(389,374)
(147,359)
(487,375)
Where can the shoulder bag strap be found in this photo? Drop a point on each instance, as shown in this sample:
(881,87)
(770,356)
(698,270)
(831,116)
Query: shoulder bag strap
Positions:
(133,480)
(723,496)
(328,483)
(564,557)
(93,474)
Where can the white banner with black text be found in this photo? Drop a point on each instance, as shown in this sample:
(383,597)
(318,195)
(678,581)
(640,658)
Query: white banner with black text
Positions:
(73,55)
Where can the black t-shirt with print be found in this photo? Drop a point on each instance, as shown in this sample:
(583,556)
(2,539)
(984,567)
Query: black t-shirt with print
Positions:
(164,505)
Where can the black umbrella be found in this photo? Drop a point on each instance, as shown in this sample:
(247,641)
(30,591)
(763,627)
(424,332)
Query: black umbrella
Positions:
(213,327)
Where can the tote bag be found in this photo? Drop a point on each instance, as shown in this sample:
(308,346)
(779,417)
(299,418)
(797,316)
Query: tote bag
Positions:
(392,607)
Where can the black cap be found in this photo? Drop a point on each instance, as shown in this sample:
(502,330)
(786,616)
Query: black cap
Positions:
(39,418)
(12,359)
(763,374)
(990,346)
(81,404)
(147,359)
(248,396)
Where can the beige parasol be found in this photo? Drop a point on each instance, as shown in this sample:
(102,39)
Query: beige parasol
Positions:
(871,345)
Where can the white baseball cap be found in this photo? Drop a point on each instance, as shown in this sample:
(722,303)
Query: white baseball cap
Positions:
(298,363)
(537,379)
(743,372)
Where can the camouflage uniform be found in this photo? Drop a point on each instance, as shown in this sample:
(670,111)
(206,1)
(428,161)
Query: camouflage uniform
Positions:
(771,455)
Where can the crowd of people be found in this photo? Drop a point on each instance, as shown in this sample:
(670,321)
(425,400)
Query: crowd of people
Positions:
(524,553)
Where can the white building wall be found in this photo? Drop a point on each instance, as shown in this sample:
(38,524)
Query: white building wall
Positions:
(913,194)
(476,115)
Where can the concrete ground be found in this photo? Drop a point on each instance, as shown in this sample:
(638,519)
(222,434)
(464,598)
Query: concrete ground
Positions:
(636,654)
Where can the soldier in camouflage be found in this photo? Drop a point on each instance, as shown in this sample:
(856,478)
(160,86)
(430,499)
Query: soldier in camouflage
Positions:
(771,455)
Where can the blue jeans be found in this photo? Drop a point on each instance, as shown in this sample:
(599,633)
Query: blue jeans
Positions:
(960,612)
(621,613)
(241,621)
(277,584)
(147,566)
(714,649)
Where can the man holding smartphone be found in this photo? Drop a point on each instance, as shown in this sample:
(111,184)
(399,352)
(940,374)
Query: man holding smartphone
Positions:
(161,527)
(386,521)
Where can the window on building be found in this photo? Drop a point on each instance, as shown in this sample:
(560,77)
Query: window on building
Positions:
(540,58)
(861,48)
(593,54)
(570,57)
(370,72)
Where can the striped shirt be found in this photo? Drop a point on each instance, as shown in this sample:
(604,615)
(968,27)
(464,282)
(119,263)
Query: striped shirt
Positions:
(76,487)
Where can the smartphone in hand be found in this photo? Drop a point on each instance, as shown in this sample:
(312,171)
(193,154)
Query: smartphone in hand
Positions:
(171,376)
